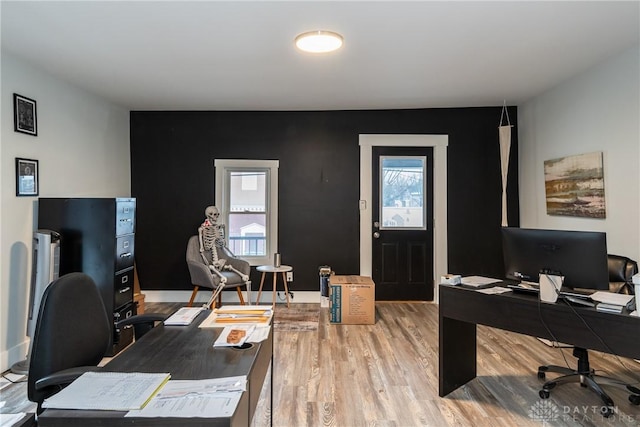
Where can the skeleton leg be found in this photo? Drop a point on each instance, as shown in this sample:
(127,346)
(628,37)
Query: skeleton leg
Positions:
(244,277)
(223,279)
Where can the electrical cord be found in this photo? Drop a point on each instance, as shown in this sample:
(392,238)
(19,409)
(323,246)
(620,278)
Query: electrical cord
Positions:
(595,334)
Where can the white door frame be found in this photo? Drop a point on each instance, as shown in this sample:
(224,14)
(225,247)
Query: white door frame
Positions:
(439,144)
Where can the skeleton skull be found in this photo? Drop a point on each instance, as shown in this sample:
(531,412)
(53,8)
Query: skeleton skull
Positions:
(212,213)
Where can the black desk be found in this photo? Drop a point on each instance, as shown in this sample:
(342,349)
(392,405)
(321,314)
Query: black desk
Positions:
(462,309)
(187,353)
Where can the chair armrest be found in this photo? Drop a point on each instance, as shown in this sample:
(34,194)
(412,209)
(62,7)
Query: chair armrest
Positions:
(63,377)
(201,275)
(237,263)
(142,323)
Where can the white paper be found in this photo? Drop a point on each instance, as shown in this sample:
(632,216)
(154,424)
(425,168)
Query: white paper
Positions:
(222,339)
(183,316)
(114,391)
(478,281)
(611,298)
(210,398)
(494,290)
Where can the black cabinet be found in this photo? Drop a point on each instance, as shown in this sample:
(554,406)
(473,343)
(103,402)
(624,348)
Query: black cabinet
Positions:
(97,238)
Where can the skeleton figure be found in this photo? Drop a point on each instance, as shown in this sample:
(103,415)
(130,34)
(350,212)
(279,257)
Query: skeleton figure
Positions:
(211,237)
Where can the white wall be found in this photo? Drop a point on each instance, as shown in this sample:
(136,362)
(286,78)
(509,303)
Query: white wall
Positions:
(598,110)
(83,150)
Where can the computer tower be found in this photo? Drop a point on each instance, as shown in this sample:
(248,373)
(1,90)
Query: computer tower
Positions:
(45,269)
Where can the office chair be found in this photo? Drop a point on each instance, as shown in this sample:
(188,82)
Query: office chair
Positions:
(201,275)
(72,334)
(621,269)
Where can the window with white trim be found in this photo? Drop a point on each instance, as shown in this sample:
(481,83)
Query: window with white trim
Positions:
(247,198)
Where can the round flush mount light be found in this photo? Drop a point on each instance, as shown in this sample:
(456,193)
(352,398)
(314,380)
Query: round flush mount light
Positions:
(319,41)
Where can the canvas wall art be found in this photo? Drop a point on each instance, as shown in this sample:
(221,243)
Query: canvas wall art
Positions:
(574,186)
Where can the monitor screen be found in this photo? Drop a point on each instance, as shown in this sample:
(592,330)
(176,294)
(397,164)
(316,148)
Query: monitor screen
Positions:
(579,256)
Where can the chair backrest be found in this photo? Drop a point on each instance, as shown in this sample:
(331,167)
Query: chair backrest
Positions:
(193,250)
(72,330)
(621,268)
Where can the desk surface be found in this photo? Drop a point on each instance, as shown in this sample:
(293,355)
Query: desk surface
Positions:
(187,353)
(462,309)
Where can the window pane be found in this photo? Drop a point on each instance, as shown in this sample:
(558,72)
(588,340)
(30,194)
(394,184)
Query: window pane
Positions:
(247,191)
(247,234)
(402,192)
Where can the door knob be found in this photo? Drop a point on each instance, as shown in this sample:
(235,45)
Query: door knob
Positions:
(376,235)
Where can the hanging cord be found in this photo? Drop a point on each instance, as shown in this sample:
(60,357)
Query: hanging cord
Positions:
(503,113)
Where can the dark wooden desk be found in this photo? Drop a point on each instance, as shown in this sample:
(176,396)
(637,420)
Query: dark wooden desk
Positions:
(462,309)
(187,353)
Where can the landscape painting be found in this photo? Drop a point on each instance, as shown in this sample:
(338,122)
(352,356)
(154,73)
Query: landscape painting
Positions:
(574,186)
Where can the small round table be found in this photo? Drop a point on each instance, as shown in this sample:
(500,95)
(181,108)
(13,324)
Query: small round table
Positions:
(264,269)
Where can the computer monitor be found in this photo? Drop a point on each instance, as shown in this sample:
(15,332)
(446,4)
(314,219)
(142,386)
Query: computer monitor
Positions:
(579,256)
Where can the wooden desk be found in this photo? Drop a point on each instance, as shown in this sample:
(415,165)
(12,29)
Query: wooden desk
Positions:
(462,309)
(187,353)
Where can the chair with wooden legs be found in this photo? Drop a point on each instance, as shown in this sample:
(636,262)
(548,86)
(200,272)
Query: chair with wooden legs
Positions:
(202,277)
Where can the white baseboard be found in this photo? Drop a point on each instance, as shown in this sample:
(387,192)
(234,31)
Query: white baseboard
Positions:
(229,297)
(13,355)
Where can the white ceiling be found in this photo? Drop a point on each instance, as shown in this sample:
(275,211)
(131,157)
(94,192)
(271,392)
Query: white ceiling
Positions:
(239,55)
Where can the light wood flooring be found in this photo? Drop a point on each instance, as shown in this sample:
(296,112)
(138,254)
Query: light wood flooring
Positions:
(387,375)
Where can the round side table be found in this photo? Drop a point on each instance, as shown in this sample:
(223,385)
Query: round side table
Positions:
(264,269)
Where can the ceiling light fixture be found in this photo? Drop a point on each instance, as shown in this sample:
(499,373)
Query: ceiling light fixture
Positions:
(319,41)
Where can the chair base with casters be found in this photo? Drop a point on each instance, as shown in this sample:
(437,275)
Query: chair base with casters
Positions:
(586,377)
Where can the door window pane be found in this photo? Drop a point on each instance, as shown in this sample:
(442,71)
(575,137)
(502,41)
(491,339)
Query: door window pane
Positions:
(402,188)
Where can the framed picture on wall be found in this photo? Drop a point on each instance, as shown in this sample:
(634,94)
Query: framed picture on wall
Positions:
(26,177)
(24,115)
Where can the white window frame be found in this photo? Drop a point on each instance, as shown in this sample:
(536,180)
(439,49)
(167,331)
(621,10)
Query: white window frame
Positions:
(223,167)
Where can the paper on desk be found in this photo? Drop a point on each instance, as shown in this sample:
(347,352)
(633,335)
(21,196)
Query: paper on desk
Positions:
(494,290)
(234,314)
(112,391)
(210,398)
(478,281)
(222,338)
(183,316)
(611,298)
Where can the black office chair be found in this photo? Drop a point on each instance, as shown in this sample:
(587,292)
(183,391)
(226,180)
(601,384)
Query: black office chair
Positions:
(621,269)
(72,334)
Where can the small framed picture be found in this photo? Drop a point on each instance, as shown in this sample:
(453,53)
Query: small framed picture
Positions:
(26,177)
(24,115)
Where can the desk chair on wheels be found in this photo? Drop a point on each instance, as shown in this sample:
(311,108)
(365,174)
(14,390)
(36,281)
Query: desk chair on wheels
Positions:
(72,334)
(621,269)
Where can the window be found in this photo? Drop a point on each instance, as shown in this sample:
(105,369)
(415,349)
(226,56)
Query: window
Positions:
(402,192)
(247,197)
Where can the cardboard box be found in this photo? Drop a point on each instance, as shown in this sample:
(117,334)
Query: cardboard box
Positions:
(352,300)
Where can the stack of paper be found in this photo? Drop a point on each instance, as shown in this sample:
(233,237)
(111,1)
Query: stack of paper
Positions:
(222,339)
(234,314)
(612,299)
(210,398)
(183,316)
(110,391)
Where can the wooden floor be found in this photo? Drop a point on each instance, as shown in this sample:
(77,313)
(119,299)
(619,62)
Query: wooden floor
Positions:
(387,375)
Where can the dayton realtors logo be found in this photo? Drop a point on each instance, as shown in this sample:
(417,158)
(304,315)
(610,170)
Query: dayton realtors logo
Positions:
(547,412)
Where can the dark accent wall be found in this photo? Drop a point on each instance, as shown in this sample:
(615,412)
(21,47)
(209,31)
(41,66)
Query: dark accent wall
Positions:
(172,178)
